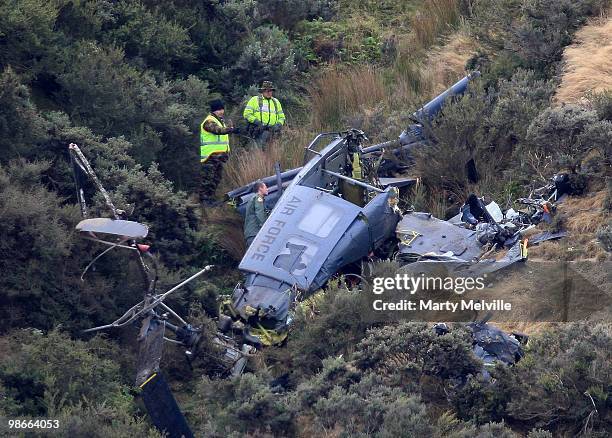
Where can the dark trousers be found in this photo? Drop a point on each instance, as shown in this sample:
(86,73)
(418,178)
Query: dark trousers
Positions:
(260,135)
(210,176)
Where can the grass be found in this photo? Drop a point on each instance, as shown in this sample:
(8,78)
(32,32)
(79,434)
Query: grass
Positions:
(412,76)
(337,93)
(435,18)
(357,95)
(445,64)
(587,62)
(251,163)
(226,225)
(584,214)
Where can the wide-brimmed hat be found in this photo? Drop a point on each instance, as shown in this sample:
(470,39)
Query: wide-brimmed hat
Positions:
(267,85)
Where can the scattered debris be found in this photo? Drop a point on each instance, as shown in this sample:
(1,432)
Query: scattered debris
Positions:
(490,344)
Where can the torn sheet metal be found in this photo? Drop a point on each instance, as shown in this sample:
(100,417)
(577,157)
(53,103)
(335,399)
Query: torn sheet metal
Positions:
(421,234)
(396,182)
(495,211)
(445,266)
(547,235)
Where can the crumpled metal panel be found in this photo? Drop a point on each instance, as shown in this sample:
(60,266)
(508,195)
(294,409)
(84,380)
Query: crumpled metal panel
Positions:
(448,266)
(436,236)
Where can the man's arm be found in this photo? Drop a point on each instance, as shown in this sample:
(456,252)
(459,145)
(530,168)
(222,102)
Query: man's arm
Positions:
(260,212)
(250,110)
(212,127)
(280,115)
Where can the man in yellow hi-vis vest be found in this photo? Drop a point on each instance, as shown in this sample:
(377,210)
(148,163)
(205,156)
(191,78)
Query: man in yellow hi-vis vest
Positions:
(264,114)
(214,149)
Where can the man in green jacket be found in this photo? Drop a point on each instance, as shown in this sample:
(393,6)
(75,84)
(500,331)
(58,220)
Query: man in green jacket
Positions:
(255,214)
(264,114)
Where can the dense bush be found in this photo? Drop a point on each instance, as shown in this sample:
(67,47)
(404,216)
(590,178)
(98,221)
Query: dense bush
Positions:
(336,318)
(563,382)
(557,131)
(60,372)
(244,405)
(529,33)
(602,103)
(487,126)
(21,126)
(412,354)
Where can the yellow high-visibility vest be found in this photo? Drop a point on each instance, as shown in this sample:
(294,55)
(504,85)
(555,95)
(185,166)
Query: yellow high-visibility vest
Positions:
(268,111)
(212,143)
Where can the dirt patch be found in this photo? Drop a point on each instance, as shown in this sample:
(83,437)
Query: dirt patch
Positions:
(543,292)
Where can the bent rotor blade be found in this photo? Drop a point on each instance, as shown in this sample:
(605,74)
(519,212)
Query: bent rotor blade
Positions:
(159,401)
(163,409)
(150,340)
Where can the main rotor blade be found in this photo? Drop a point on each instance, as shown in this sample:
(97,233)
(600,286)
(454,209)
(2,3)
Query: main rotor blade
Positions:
(163,409)
(151,341)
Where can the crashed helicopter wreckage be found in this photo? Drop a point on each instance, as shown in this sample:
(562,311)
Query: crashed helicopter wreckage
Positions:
(331,213)
(327,216)
(470,243)
(335,211)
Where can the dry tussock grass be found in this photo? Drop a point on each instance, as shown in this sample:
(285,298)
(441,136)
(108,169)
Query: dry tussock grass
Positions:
(572,247)
(588,62)
(446,64)
(337,93)
(249,164)
(435,17)
(584,214)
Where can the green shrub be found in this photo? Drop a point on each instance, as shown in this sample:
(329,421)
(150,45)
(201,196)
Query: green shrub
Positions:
(559,131)
(337,321)
(602,103)
(419,351)
(147,35)
(21,127)
(67,373)
(245,405)
(563,381)
(604,236)
(597,136)
(28,34)
(271,44)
